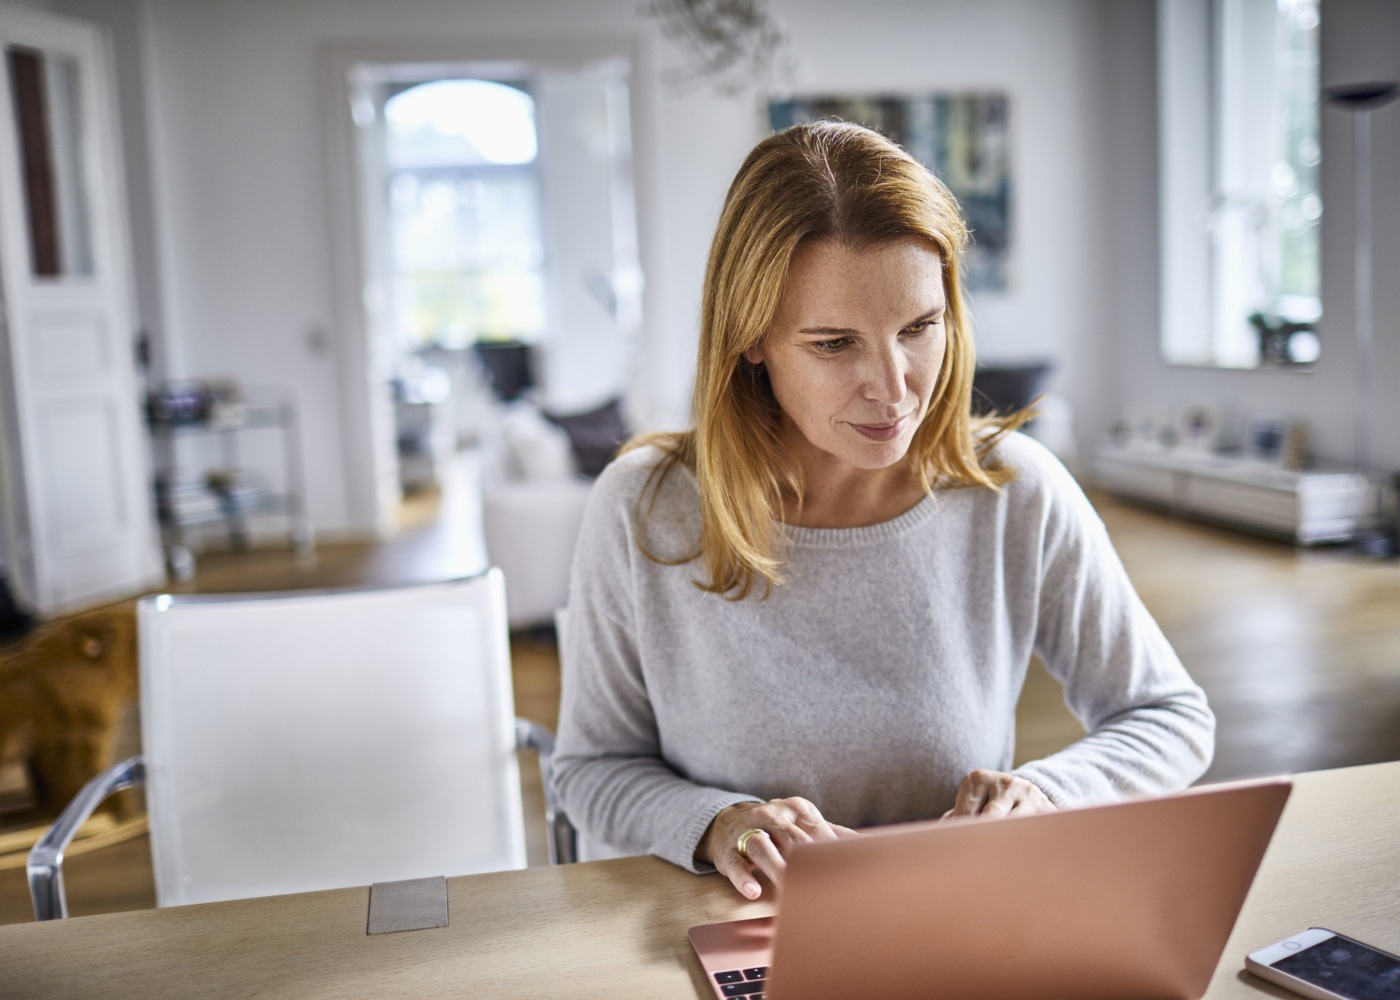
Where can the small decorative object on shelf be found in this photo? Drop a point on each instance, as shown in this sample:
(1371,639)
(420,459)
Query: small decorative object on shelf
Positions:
(1285,341)
(1264,438)
(196,489)
(1295,448)
(1277,440)
(1147,427)
(174,403)
(1198,429)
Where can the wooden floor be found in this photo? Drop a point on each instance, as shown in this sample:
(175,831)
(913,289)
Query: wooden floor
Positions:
(1298,650)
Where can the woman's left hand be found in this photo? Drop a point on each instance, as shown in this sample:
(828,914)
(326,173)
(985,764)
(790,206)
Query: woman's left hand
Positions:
(989,794)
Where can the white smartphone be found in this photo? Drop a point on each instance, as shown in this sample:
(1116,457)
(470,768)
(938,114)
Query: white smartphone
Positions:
(1326,965)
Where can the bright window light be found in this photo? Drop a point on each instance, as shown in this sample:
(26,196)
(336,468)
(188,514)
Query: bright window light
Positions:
(466,243)
(461,122)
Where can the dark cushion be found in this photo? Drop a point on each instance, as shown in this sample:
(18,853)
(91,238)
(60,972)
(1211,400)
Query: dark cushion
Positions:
(595,435)
(508,366)
(1007,388)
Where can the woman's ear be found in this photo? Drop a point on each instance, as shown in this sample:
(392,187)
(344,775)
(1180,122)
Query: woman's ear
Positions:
(754,355)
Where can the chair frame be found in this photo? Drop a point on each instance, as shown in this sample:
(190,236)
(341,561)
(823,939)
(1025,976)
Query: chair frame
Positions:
(45,867)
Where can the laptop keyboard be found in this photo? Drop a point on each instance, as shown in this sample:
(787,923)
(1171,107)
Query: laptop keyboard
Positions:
(746,983)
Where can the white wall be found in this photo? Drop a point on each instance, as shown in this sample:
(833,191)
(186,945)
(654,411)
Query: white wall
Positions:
(238,235)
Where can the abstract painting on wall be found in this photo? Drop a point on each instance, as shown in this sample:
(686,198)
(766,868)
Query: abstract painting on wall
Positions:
(964,138)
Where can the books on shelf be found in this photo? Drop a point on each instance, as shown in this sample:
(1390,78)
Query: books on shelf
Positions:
(212,494)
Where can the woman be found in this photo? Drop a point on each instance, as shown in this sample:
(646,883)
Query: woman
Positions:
(815,610)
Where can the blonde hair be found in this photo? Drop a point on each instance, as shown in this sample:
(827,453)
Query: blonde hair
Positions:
(827,180)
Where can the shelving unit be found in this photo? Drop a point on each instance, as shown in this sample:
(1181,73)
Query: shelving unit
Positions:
(1307,508)
(218,491)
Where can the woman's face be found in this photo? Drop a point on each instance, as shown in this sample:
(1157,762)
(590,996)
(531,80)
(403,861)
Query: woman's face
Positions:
(854,351)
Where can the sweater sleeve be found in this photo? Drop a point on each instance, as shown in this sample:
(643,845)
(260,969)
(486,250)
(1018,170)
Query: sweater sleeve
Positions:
(609,767)
(1149,729)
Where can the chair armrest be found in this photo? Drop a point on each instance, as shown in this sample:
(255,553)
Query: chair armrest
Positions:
(46,858)
(563,840)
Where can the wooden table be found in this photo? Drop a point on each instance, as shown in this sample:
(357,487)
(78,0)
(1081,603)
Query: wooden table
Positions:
(618,928)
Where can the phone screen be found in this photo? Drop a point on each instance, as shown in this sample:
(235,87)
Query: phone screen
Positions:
(1347,968)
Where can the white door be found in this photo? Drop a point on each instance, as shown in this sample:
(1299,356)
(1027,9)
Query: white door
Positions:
(78,521)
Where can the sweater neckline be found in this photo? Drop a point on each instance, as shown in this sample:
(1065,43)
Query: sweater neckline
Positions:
(841,538)
(868,534)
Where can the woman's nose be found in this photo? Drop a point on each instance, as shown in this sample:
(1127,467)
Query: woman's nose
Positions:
(884,375)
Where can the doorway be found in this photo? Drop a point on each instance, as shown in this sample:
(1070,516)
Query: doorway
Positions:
(493,207)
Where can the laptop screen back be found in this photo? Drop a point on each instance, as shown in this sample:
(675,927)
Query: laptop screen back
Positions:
(1133,900)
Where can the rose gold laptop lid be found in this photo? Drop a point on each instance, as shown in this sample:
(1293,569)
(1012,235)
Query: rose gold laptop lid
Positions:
(1128,901)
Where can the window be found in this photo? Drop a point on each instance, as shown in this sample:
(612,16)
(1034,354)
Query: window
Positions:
(1295,171)
(465,230)
(1239,157)
(47,112)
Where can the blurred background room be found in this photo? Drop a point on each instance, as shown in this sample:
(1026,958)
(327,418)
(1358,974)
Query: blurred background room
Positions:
(316,293)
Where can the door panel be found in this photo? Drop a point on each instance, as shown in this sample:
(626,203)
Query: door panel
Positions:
(83,475)
(75,347)
(79,520)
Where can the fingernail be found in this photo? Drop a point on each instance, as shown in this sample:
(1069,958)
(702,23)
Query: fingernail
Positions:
(751,890)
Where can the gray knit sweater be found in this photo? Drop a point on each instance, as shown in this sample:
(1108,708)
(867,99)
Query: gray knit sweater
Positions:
(885,668)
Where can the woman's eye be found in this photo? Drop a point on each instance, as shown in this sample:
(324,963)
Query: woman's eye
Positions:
(830,346)
(922,326)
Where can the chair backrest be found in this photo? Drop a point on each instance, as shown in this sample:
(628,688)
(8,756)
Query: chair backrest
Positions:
(314,740)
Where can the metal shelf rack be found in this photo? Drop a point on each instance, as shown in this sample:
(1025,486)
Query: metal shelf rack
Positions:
(192,495)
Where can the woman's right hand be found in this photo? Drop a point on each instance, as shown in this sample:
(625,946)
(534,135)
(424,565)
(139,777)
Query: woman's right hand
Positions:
(785,824)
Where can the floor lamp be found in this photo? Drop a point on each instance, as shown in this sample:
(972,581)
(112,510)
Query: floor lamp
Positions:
(1361,99)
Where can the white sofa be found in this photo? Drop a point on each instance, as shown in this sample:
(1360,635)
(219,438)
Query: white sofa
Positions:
(532,500)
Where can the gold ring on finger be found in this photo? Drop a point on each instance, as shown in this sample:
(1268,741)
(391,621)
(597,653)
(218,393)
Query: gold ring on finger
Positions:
(745,837)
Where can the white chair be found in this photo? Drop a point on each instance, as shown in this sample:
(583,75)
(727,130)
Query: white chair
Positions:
(321,739)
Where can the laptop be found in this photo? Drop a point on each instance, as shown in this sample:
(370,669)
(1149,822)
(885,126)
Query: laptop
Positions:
(1132,901)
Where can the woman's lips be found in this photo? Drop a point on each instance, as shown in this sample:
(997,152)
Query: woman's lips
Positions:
(881,432)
